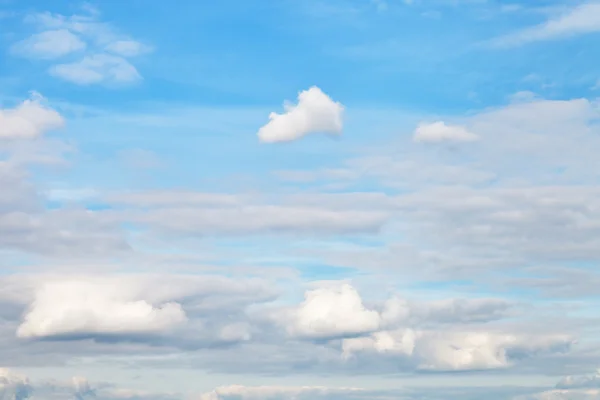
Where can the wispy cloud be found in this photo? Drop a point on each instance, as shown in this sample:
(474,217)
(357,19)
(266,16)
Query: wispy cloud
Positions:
(95,52)
(98,68)
(580,20)
(49,44)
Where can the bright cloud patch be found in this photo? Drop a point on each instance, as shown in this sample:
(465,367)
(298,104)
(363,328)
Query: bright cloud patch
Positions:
(13,386)
(28,120)
(99,68)
(440,132)
(453,351)
(49,44)
(88,307)
(107,49)
(334,311)
(315,113)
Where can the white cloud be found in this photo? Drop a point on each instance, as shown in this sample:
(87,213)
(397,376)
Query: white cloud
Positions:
(73,307)
(28,120)
(332,311)
(440,132)
(582,19)
(127,48)
(561,394)
(579,382)
(106,58)
(276,392)
(14,386)
(315,113)
(99,68)
(49,44)
(453,351)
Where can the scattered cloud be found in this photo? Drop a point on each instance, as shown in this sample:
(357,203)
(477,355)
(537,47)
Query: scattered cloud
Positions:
(455,351)
(582,19)
(14,386)
(49,44)
(282,392)
(315,113)
(99,68)
(440,132)
(29,120)
(128,48)
(102,53)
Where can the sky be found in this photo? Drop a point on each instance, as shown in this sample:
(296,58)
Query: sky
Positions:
(289,200)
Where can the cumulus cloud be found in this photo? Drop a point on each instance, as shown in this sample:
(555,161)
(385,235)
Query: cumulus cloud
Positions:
(98,68)
(453,351)
(49,44)
(29,120)
(337,311)
(440,132)
(14,386)
(79,307)
(333,311)
(315,113)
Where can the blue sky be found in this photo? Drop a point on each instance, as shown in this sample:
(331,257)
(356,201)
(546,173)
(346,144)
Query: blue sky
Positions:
(336,199)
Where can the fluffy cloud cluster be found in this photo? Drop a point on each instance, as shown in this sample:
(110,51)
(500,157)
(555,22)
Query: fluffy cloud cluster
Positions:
(28,120)
(579,20)
(329,312)
(338,312)
(72,308)
(101,54)
(315,113)
(14,386)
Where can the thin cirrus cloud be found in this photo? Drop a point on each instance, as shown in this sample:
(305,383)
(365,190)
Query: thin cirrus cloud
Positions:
(579,20)
(441,132)
(128,48)
(99,68)
(315,113)
(93,50)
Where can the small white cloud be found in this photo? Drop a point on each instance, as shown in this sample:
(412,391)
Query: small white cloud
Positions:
(96,69)
(14,386)
(315,113)
(73,307)
(49,45)
(440,132)
(128,48)
(29,120)
(583,19)
(333,311)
